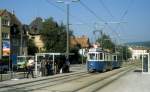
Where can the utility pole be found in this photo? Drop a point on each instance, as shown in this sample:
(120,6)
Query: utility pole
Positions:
(1,38)
(67,51)
(67,25)
(101,34)
(1,47)
(21,41)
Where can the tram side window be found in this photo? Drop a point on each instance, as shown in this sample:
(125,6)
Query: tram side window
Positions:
(106,57)
(100,56)
(109,57)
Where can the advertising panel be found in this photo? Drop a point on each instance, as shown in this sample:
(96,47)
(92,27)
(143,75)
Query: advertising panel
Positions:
(6,47)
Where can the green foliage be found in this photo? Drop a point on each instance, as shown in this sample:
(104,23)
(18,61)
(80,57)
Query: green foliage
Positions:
(32,49)
(106,42)
(5,59)
(76,58)
(126,53)
(54,36)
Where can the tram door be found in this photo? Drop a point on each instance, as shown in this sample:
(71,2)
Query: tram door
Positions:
(145,63)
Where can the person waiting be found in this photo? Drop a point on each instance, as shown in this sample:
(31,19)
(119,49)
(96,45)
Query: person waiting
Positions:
(30,66)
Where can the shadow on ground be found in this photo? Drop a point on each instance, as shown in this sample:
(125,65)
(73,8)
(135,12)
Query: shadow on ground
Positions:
(138,71)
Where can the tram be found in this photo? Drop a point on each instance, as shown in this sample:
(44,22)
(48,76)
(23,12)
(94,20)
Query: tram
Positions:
(101,61)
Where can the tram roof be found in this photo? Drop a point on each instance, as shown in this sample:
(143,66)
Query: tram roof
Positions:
(54,53)
(98,50)
(26,56)
(95,50)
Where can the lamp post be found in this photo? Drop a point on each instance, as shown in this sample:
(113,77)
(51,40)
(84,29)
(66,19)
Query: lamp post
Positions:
(67,25)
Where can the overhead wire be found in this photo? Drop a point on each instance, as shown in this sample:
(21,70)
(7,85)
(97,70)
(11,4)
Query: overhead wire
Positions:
(125,13)
(64,11)
(91,11)
(99,18)
(106,8)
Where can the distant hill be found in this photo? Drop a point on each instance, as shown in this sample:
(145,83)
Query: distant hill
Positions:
(145,44)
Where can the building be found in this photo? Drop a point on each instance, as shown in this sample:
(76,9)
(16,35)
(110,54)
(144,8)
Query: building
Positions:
(82,42)
(12,36)
(137,52)
(37,41)
(34,33)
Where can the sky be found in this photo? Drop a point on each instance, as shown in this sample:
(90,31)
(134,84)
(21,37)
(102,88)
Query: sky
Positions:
(123,20)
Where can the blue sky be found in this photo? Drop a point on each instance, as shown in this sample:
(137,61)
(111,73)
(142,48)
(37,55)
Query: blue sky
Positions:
(134,25)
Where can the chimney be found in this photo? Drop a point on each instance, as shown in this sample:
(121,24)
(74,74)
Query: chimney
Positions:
(13,12)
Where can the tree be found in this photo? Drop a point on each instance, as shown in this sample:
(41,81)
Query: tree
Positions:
(35,26)
(54,36)
(106,42)
(32,49)
(126,53)
(76,58)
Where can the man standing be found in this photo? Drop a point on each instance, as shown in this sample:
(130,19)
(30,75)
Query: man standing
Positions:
(43,68)
(30,66)
(67,66)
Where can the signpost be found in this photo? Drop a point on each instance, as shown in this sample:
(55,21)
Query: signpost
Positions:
(145,63)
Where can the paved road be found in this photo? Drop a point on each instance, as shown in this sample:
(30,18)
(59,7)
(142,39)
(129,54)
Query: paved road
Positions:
(79,82)
(133,81)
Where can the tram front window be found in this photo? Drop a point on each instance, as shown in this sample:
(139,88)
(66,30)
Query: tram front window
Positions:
(92,56)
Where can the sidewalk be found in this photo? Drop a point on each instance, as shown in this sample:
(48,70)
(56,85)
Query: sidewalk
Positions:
(19,75)
(134,81)
(22,80)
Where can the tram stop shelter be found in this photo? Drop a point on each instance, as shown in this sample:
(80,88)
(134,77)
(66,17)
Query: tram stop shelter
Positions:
(51,56)
(146,63)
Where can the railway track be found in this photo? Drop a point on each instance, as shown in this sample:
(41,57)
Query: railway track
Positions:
(74,82)
(37,84)
(82,85)
(97,85)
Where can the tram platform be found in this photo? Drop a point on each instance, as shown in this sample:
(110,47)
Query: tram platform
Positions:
(134,81)
(19,78)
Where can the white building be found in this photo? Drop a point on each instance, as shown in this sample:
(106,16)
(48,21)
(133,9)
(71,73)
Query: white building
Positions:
(137,52)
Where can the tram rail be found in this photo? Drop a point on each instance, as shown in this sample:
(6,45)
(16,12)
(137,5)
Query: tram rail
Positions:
(80,84)
(97,85)
(46,82)
(51,83)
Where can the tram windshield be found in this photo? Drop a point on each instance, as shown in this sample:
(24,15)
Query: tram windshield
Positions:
(95,56)
(92,56)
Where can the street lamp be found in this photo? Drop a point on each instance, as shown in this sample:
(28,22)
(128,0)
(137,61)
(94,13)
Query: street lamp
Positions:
(67,2)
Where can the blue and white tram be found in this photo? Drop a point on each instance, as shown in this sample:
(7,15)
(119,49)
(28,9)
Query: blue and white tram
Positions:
(99,60)
(116,61)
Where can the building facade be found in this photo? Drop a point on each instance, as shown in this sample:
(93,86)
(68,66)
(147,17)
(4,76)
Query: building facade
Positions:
(12,36)
(34,33)
(82,42)
(137,52)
